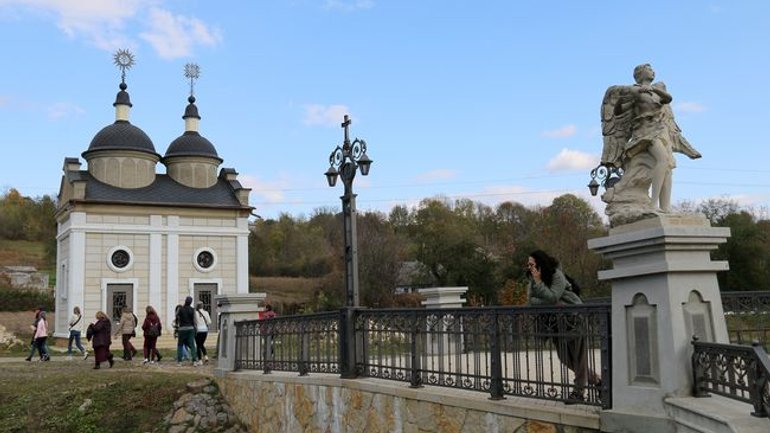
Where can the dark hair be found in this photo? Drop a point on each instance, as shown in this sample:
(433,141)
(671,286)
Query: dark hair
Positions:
(268,307)
(546,264)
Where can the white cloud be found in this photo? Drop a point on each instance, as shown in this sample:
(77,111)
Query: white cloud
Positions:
(563,132)
(572,160)
(689,107)
(106,24)
(174,36)
(60,110)
(328,115)
(438,174)
(349,5)
(101,22)
(270,192)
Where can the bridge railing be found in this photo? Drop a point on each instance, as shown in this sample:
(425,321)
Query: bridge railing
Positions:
(738,372)
(557,353)
(748,316)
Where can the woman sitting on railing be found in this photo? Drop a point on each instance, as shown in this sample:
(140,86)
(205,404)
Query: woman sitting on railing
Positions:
(549,286)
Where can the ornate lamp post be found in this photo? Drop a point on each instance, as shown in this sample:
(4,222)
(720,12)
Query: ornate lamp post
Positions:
(608,175)
(344,162)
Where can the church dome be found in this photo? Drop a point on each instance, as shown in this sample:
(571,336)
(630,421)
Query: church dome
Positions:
(121,135)
(191,143)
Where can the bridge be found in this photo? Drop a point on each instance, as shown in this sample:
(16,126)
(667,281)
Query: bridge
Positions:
(642,362)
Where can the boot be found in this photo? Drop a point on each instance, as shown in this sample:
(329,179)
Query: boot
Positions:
(110,360)
(96,366)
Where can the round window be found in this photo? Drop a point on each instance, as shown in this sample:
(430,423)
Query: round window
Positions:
(120,259)
(205,259)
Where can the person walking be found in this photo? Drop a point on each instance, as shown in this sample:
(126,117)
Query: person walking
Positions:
(40,336)
(33,343)
(100,333)
(152,328)
(203,321)
(548,285)
(76,329)
(126,329)
(185,319)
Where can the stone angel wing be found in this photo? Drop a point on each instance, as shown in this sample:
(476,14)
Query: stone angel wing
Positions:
(678,142)
(616,128)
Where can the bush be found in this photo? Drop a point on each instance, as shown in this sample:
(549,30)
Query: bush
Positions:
(25,300)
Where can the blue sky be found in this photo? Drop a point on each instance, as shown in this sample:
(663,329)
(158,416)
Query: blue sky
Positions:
(487,100)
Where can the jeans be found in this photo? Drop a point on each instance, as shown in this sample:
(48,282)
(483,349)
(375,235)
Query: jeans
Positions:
(186,338)
(75,336)
(200,340)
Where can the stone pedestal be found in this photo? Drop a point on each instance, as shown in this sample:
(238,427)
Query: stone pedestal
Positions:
(234,308)
(443,297)
(664,291)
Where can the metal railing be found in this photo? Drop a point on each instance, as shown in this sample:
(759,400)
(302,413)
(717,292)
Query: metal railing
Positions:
(557,353)
(748,317)
(735,371)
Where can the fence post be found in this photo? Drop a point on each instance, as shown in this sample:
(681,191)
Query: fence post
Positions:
(605,390)
(698,371)
(757,381)
(496,368)
(415,376)
(304,349)
(347,343)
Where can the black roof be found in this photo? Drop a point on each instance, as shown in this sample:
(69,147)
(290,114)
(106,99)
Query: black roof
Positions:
(121,135)
(191,143)
(163,191)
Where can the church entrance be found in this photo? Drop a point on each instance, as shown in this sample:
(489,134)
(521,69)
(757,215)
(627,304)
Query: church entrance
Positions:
(118,296)
(204,293)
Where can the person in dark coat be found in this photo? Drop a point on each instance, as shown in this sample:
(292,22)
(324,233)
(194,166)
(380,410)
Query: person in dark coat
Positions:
(152,328)
(185,319)
(101,338)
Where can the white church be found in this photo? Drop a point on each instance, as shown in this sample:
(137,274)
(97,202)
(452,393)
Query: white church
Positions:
(128,235)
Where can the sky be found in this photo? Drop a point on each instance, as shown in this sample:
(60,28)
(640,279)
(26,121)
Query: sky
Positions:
(491,101)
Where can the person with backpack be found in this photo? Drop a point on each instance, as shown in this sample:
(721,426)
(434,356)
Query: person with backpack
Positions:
(126,329)
(549,285)
(76,329)
(203,321)
(152,328)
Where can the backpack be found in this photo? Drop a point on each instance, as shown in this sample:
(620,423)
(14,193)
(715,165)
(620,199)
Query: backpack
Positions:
(153,330)
(574,284)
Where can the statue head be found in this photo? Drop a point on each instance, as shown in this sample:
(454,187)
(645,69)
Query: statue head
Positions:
(640,72)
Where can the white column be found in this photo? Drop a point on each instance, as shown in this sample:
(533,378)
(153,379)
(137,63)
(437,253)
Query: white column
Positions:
(156,263)
(664,290)
(234,308)
(242,257)
(76,265)
(172,270)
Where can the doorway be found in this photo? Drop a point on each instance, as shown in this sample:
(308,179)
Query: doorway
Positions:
(118,296)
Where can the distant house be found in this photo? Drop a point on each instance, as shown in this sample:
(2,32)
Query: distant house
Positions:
(413,275)
(25,277)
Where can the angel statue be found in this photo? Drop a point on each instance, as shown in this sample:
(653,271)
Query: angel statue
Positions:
(640,136)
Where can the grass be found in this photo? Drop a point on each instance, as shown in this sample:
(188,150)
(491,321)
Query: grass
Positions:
(22,253)
(286,290)
(47,397)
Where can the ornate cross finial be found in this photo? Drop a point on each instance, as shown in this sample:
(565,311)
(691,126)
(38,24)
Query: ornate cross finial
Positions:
(346,125)
(123,59)
(192,71)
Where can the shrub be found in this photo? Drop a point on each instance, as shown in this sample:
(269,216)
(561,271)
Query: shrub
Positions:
(25,300)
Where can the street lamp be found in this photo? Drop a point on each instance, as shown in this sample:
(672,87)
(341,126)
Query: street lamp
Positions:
(607,174)
(343,162)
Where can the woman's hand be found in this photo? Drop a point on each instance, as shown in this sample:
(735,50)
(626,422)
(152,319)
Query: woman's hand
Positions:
(536,275)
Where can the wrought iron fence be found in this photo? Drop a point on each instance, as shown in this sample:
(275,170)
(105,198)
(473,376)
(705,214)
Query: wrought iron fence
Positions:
(307,343)
(556,353)
(735,371)
(748,317)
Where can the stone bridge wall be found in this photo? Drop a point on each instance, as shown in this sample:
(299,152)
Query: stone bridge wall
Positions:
(286,403)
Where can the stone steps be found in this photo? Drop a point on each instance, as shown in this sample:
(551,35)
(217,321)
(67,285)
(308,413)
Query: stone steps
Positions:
(714,414)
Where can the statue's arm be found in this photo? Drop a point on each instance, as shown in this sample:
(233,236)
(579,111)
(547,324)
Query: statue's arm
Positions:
(624,104)
(665,97)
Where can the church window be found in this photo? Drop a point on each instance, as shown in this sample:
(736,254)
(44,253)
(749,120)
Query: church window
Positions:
(204,259)
(120,259)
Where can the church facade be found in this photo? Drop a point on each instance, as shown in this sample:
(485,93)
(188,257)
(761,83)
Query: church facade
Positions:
(130,236)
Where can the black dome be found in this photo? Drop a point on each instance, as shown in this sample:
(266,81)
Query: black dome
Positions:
(121,135)
(191,143)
